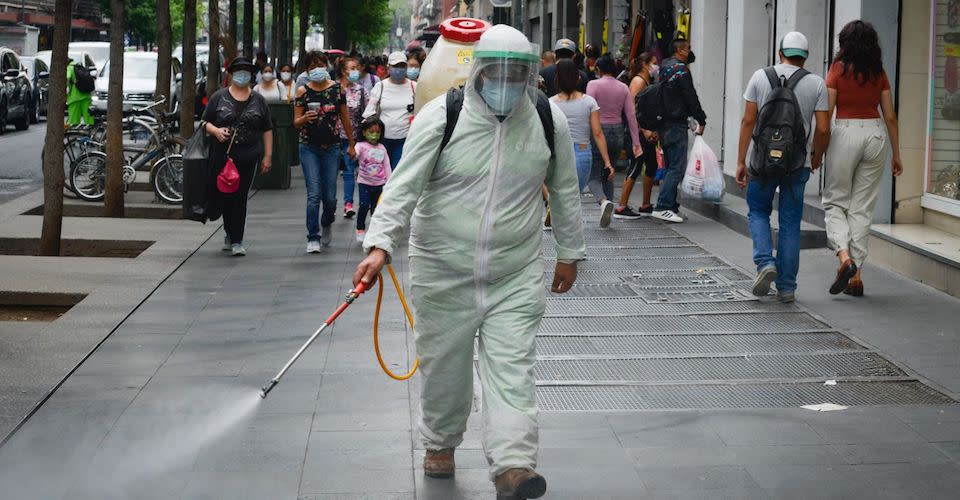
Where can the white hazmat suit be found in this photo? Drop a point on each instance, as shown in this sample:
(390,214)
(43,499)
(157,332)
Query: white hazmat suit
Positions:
(475,217)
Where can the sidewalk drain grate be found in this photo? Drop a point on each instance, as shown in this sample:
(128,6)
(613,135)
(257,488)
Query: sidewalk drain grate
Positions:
(632,306)
(694,297)
(662,397)
(585,291)
(666,345)
(783,322)
(762,367)
(594,236)
(626,267)
(660,241)
(660,278)
(662,249)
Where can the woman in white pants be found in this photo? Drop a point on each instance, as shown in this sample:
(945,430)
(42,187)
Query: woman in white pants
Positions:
(859,143)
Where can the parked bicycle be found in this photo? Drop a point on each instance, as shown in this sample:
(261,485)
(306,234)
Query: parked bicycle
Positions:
(160,152)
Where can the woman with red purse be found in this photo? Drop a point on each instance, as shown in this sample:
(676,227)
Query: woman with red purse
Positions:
(239,119)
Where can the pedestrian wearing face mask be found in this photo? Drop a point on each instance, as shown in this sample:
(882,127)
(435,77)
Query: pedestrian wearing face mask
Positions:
(368,74)
(239,119)
(286,78)
(392,102)
(413,68)
(319,106)
(681,102)
(269,87)
(357,98)
(476,269)
(373,170)
(643,72)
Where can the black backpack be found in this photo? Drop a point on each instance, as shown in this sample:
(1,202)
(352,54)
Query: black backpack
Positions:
(455,104)
(84,79)
(650,108)
(779,138)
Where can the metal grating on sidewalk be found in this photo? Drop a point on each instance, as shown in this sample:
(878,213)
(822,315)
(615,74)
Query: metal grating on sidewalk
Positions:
(628,266)
(677,345)
(714,396)
(653,297)
(661,241)
(662,278)
(661,250)
(557,307)
(741,368)
(782,322)
(579,291)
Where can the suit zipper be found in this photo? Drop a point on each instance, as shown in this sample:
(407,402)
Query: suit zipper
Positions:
(486,224)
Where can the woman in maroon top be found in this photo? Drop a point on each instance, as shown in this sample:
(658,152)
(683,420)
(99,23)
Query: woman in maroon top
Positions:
(861,138)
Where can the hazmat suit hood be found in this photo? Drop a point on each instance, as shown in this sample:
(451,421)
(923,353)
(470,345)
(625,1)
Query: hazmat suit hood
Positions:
(504,74)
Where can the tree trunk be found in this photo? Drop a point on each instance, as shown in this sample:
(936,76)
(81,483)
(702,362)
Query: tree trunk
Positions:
(262,24)
(277,56)
(189,67)
(213,61)
(304,24)
(164,51)
(232,29)
(113,193)
(290,4)
(53,144)
(248,29)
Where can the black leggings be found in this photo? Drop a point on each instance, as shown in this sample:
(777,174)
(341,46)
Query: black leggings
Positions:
(369,195)
(234,205)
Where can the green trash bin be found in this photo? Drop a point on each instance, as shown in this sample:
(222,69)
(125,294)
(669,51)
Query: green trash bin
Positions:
(279,175)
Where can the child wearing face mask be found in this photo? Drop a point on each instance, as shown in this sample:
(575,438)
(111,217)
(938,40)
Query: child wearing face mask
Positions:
(372,172)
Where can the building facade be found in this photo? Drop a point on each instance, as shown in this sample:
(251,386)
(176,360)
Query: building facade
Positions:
(88,22)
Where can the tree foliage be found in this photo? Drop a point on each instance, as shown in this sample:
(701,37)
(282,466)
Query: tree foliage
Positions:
(364,24)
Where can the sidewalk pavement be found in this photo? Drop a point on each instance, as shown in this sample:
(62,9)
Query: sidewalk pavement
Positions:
(660,378)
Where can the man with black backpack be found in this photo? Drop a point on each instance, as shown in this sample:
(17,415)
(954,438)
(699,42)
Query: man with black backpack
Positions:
(80,83)
(678,101)
(781,102)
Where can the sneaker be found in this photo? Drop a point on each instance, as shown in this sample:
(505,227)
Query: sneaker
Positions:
(360,234)
(348,210)
(237,250)
(646,211)
(761,285)
(326,236)
(606,213)
(626,213)
(667,215)
(226,244)
(786,297)
(313,246)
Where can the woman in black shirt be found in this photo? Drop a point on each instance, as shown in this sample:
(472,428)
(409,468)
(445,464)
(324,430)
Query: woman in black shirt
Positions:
(320,106)
(237,113)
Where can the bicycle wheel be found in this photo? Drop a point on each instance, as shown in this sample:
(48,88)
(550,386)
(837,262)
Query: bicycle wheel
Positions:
(138,137)
(167,179)
(88,174)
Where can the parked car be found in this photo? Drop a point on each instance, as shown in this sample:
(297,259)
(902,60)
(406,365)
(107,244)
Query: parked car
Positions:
(39,75)
(98,51)
(203,54)
(139,82)
(16,93)
(81,57)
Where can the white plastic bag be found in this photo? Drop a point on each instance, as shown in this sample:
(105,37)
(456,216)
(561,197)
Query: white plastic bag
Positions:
(703,179)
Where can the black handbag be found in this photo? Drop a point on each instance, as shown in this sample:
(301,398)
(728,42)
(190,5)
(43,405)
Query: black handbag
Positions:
(196,177)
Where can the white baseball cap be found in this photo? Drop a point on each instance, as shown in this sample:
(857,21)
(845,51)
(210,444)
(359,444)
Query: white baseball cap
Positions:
(794,44)
(396,57)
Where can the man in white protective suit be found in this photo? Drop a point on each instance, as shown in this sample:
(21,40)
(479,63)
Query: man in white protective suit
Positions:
(474,209)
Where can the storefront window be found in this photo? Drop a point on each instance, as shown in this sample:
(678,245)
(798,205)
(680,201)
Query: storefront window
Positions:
(943,158)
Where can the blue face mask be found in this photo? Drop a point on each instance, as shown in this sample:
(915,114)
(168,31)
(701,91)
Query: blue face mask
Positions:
(318,75)
(503,97)
(241,78)
(413,73)
(398,74)
(354,76)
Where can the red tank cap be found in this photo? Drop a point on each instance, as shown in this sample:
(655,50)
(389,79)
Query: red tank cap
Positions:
(463,29)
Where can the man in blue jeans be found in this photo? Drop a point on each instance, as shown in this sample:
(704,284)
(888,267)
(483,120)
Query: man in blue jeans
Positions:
(681,103)
(811,94)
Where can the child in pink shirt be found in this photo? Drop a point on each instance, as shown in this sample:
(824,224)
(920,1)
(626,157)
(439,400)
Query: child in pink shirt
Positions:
(373,170)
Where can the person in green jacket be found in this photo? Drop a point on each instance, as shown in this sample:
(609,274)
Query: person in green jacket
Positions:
(78,102)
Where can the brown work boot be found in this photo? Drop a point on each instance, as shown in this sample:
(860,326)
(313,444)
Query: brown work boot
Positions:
(439,463)
(518,484)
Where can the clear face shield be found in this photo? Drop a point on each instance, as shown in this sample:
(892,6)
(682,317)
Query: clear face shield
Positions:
(504,79)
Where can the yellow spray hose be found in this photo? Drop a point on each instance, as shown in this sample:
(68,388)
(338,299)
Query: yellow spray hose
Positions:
(376,326)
